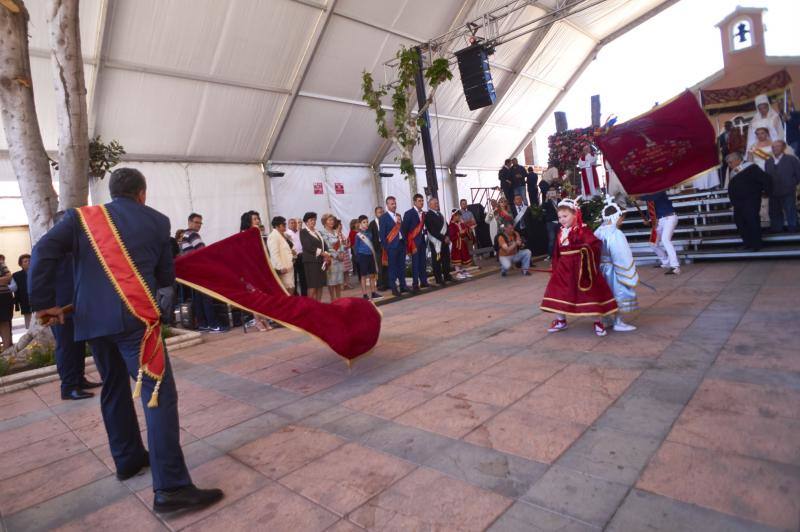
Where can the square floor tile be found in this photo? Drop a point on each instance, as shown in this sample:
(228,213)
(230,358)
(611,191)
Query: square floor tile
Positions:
(311,382)
(234,478)
(31,433)
(221,415)
(525,368)
(388,401)
(497,391)
(528,435)
(286,450)
(271,508)
(37,485)
(411,505)
(39,454)
(117,516)
(522,516)
(577,494)
(580,405)
(745,487)
(347,477)
(609,381)
(448,416)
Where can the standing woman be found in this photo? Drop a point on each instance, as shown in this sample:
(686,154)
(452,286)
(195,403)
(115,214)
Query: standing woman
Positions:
(6,304)
(315,256)
(336,267)
(249,220)
(281,253)
(346,247)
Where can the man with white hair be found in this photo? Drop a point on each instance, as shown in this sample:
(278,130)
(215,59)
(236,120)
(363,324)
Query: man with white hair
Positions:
(747,183)
(784,170)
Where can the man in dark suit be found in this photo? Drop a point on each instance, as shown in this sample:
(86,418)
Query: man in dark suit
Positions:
(393,243)
(550,210)
(414,233)
(115,336)
(70,353)
(518,174)
(746,185)
(438,242)
(523,221)
(723,147)
(506,180)
(532,182)
(784,171)
(375,234)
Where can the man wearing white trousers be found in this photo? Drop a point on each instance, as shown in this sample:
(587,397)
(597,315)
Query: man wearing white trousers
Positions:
(663,220)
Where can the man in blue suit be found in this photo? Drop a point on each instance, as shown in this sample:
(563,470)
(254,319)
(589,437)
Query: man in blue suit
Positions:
(393,243)
(115,336)
(414,232)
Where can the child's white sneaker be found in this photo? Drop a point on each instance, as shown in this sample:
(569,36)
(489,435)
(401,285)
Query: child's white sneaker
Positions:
(600,329)
(557,325)
(621,326)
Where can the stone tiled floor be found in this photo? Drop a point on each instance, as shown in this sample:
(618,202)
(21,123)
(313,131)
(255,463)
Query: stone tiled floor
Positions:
(467,416)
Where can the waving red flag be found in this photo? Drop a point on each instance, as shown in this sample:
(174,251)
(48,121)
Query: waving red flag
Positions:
(237,270)
(668,145)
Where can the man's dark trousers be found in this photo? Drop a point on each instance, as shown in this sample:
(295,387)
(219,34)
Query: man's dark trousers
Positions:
(203,308)
(70,356)
(300,277)
(441,267)
(117,359)
(419,270)
(397,267)
(746,215)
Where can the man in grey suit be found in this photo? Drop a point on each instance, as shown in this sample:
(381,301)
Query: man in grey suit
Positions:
(784,169)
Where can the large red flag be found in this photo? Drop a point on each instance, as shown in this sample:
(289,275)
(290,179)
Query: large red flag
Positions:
(668,145)
(237,270)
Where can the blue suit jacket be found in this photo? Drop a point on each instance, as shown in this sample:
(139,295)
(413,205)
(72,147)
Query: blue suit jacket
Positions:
(387,224)
(99,311)
(410,221)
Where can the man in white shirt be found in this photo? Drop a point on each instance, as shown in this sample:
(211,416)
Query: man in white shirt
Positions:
(293,232)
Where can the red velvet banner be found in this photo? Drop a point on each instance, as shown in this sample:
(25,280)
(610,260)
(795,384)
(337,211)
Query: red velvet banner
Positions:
(237,270)
(668,145)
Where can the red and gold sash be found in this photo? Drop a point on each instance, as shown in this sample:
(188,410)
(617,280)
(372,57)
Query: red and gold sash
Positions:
(389,238)
(411,246)
(128,282)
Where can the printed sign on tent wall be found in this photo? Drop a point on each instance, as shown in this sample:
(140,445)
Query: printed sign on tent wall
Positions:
(318,189)
(339,188)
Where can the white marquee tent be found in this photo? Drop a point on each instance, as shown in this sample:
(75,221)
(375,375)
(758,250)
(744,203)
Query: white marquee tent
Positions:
(206,94)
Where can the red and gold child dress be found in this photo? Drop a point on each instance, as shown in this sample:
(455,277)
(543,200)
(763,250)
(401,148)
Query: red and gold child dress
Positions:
(576,286)
(460,256)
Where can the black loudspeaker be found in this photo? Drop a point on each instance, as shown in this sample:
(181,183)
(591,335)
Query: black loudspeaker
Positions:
(473,64)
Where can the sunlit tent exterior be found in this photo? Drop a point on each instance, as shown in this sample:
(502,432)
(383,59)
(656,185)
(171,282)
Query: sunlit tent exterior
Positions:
(205,96)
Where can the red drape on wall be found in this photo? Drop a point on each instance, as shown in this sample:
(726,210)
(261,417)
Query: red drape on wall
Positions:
(237,270)
(668,145)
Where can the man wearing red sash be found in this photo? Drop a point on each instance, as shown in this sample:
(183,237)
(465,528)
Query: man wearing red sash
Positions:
(121,254)
(394,247)
(414,230)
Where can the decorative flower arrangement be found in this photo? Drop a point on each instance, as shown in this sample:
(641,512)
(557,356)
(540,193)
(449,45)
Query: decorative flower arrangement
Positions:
(566,147)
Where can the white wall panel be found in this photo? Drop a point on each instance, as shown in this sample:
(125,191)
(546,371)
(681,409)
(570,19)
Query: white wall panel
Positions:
(89,13)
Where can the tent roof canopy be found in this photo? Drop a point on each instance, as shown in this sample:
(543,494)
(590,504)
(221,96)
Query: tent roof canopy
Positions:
(255,81)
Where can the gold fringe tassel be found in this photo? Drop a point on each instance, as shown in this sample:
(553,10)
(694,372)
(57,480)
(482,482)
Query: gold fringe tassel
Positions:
(137,390)
(153,402)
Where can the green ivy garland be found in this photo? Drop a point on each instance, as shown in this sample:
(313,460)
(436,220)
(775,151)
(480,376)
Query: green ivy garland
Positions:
(405,126)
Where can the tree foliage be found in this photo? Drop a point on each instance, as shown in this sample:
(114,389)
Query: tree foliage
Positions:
(404,129)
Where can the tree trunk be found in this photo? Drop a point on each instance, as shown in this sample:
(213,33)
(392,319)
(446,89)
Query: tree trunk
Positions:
(26,150)
(73,118)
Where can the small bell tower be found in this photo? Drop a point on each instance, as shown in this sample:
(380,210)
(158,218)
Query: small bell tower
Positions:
(742,34)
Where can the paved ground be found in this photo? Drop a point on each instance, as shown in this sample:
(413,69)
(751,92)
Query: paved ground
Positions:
(467,416)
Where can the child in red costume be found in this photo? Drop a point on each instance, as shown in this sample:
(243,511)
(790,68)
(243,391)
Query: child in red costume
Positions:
(576,287)
(460,256)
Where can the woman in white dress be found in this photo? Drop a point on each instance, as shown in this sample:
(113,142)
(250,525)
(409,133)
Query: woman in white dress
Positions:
(766,117)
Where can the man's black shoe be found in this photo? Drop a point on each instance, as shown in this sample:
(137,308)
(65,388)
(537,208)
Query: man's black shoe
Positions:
(404,290)
(130,473)
(396,293)
(86,384)
(76,395)
(415,289)
(186,498)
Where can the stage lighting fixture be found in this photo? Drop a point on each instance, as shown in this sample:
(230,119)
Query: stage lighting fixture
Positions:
(270,173)
(461,175)
(385,174)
